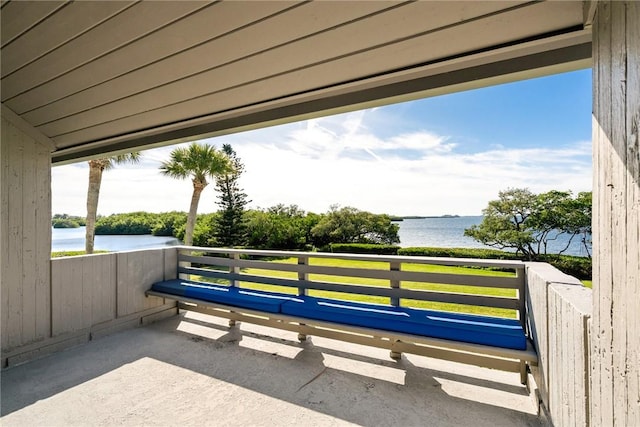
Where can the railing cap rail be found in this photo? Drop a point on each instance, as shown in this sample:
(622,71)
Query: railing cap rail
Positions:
(366,257)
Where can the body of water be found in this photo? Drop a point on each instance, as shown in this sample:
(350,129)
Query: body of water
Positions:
(72,239)
(432,232)
(449,233)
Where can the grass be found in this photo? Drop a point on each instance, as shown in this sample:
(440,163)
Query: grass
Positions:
(385,283)
(61,254)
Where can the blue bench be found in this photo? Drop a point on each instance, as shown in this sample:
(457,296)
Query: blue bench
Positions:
(491,331)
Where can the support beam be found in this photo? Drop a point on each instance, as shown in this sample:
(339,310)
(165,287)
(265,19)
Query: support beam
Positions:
(615,344)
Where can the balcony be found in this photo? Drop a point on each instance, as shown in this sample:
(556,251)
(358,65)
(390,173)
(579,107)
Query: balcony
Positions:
(193,369)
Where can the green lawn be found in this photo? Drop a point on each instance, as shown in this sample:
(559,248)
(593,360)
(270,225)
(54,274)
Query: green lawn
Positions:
(385,283)
(73,253)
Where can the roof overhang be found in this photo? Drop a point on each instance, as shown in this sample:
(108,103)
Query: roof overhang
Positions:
(102,77)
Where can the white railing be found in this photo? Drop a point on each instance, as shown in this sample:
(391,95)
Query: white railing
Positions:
(395,280)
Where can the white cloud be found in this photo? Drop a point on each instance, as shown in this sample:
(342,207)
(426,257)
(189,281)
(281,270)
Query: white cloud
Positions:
(340,160)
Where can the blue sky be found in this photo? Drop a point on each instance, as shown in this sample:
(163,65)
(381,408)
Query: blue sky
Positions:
(444,155)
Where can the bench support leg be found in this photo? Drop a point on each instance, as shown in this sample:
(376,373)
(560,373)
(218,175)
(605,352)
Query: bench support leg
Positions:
(302,337)
(523,373)
(396,355)
(232,323)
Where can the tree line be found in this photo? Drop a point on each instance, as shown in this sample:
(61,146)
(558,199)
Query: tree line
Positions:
(278,227)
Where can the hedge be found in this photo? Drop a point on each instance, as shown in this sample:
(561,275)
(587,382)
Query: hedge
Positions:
(364,248)
(579,267)
(458,253)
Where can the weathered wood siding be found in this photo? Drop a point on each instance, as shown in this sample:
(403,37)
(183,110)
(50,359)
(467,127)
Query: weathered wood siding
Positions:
(615,346)
(558,310)
(96,295)
(569,314)
(83,292)
(25,236)
(137,271)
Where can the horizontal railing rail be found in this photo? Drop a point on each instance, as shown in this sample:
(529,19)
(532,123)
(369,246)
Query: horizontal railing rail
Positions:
(393,277)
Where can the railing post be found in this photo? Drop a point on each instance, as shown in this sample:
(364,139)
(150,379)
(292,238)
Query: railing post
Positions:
(522,297)
(185,264)
(303,275)
(395,284)
(234,269)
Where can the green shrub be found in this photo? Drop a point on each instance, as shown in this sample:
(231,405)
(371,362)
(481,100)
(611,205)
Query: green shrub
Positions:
(67,221)
(458,253)
(64,223)
(167,223)
(364,248)
(578,267)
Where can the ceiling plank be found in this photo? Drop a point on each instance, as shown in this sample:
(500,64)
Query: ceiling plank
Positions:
(124,28)
(55,31)
(18,17)
(192,30)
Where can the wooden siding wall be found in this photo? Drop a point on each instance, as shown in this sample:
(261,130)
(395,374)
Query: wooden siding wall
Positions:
(615,347)
(559,309)
(25,236)
(99,294)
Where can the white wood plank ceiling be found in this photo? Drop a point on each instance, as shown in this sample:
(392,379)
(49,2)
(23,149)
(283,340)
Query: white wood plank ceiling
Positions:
(103,76)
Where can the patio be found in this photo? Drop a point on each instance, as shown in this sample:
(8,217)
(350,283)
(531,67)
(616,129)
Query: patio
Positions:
(192,370)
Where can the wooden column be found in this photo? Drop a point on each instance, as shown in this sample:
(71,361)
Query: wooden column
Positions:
(615,343)
(25,233)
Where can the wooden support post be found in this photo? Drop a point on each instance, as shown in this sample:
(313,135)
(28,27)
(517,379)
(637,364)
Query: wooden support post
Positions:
(185,264)
(522,297)
(235,283)
(395,284)
(396,355)
(303,275)
(523,372)
(234,269)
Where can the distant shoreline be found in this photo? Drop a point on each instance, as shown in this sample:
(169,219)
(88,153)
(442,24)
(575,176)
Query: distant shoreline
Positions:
(402,218)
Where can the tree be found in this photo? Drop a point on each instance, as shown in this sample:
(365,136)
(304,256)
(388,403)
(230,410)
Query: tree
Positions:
(231,227)
(527,222)
(96,168)
(350,225)
(198,162)
(279,227)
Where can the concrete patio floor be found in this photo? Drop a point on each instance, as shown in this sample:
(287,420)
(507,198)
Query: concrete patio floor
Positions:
(193,370)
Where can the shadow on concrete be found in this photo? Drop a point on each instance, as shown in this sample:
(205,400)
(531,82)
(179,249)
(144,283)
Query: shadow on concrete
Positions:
(255,375)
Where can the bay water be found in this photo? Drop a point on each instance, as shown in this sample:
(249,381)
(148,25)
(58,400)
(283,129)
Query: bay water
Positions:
(448,232)
(72,239)
(443,232)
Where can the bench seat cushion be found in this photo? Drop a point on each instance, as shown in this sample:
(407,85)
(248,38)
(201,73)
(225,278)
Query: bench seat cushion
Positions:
(245,298)
(492,331)
(497,332)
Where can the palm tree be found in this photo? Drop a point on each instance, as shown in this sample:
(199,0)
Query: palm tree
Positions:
(198,162)
(96,167)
